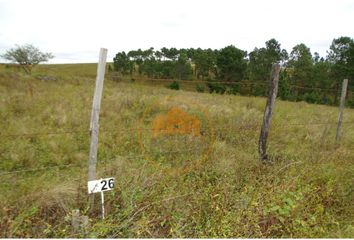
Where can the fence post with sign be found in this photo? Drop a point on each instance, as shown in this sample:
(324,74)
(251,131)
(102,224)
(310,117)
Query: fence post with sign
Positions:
(101,185)
(94,121)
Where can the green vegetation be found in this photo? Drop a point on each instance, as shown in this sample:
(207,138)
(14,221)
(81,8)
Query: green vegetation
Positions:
(27,56)
(174,85)
(305,76)
(182,190)
(260,61)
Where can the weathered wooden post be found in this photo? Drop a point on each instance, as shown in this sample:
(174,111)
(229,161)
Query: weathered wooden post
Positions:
(341,108)
(94,126)
(262,143)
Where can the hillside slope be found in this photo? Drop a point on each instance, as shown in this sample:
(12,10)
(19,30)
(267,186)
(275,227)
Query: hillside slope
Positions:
(174,183)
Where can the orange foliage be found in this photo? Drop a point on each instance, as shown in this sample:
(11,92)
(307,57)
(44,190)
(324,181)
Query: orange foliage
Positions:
(176,121)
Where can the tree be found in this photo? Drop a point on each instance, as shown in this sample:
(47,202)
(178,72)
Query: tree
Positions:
(122,63)
(258,70)
(136,56)
(274,52)
(341,55)
(171,54)
(232,63)
(148,54)
(27,56)
(262,59)
(301,62)
(183,67)
(158,55)
(205,62)
(341,58)
(321,79)
(299,69)
(320,72)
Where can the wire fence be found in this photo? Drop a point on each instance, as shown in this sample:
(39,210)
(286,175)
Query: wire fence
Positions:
(193,155)
(137,129)
(242,83)
(111,157)
(38,169)
(105,161)
(84,75)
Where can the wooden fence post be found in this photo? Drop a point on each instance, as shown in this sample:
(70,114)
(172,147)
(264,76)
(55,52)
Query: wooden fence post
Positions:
(341,108)
(262,143)
(94,126)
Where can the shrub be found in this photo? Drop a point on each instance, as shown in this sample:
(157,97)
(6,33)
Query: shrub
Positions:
(216,87)
(199,88)
(174,85)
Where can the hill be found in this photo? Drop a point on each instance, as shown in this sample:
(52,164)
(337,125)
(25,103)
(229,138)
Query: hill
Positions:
(175,183)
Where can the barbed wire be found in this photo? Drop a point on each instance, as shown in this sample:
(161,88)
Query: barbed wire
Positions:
(76,131)
(104,161)
(314,123)
(112,131)
(38,169)
(201,81)
(248,83)
(32,134)
(314,88)
(112,75)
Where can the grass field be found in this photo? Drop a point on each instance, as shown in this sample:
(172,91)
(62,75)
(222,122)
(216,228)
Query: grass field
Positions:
(170,185)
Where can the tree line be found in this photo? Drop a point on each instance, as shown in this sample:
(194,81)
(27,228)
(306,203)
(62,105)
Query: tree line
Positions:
(304,76)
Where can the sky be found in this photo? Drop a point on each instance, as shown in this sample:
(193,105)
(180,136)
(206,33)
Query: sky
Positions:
(75,30)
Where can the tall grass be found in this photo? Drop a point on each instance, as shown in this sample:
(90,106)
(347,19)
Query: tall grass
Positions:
(171,187)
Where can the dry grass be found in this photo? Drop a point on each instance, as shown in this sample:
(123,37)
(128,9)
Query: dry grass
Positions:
(306,192)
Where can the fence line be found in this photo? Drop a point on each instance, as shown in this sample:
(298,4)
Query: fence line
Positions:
(42,133)
(236,83)
(38,169)
(104,162)
(143,155)
(154,151)
(148,129)
(242,82)
(202,81)
(19,135)
(126,130)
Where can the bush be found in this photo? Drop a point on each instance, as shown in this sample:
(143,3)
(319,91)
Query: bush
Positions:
(216,87)
(350,102)
(311,97)
(233,89)
(327,99)
(174,85)
(260,90)
(199,88)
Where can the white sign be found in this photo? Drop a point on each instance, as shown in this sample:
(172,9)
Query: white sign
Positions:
(102,185)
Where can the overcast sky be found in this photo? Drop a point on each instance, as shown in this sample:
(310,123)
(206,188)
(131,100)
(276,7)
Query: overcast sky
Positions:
(74,30)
